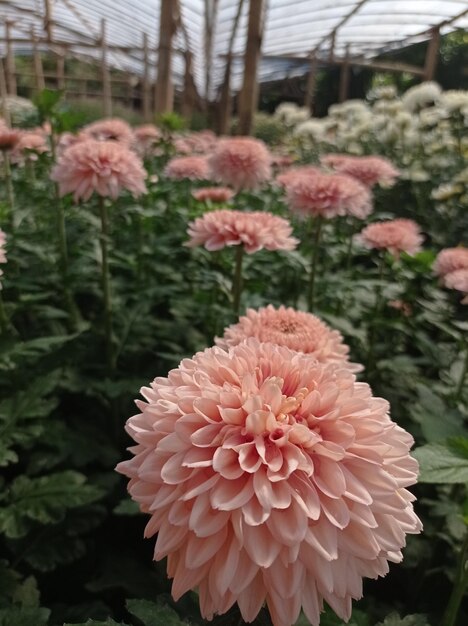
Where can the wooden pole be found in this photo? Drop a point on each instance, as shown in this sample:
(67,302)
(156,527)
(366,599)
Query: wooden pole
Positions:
(331,54)
(48,23)
(10,70)
(146,81)
(61,69)
(190,94)
(164,93)
(106,83)
(345,75)
(225,97)
(37,60)
(432,54)
(311,82)
(211,13)
(249,94)
(3,95)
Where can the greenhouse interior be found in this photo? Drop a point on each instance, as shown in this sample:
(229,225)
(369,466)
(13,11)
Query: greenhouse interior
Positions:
(233,312)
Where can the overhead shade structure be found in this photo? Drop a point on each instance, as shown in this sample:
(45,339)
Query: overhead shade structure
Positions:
(294,32)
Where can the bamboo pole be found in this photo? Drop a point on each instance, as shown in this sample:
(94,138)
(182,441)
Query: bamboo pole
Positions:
(345,75)
(146,81)
(3,95)
(225,97)
(106,83)
(164,93)
(10,70)
(432,54)
(37,60)
(249,94)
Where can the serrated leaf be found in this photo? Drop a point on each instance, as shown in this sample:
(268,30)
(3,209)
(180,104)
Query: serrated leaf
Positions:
(45,500)
(17,616)
(152,614)
(440,463)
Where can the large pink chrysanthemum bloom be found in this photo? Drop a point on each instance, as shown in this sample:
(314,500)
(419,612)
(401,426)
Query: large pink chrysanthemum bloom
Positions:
(369,170)
(458,279)
(103,167)
(450,259)
(271,478)
(328,195)
(297,330)
(112,129)
(293,174)
(253,230)
(240,162)
(191,167)
(213,194)
(400,235)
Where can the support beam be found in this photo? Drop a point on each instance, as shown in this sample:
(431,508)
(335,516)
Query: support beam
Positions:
(249,94)
(225,96)
(5,111)
(61,69)
(48,23)
(189,95)
(10,69)
(146,81)
(432,53)
(211,14)
(106,83)
(345,75)
(164,93)
(37,60)
(311,83)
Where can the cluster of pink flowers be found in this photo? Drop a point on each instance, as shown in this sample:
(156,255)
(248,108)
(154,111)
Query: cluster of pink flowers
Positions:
(328,196)
(270,478)
(451,265)
(190,167)
(396,236)
(213,194)
(103,167)
(253,230)
(297,330)
(240,162)
(369,170)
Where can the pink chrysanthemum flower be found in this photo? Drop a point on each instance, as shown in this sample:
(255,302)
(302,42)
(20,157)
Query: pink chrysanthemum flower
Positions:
(145,137)
(191,167)
(369,170)
(103,167)
(9,137)
(213,194)
(112,129)
(280,161)
(293,174)
(400,235)
(458,280)
(241,162)
(297,330)
(328,195)
(450,259)
(271,478)
(253,230)
(29,145)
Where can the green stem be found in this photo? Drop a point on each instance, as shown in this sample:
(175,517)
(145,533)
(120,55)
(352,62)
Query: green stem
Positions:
(237,279)
(106,289)
(459,589)
(375,315)
(313,265)
(461,382)
(9,188)
(3,316)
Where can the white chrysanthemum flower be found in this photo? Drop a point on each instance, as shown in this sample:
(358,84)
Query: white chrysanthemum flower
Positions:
(421,95)
(454,100)
(312,130)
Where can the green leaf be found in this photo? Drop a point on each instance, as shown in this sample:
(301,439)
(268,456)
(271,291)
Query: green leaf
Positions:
(409,620)
(127,507)
(92,622)
(152,614)
(45,500)
(19,616)
(46,100)
(443,462)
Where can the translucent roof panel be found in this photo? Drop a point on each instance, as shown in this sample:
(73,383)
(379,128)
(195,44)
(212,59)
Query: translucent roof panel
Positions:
(293,30)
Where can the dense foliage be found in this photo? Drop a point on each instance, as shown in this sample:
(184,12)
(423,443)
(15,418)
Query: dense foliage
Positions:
(71,540)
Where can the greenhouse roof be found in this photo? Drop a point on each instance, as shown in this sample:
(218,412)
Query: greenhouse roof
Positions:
(294,31)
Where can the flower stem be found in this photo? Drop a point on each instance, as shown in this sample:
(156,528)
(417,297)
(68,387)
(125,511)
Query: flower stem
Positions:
(237,279)
(3,316)
(461,382)
(313,265)
(459,589)
(106,288)
(375,315)
(9,188)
